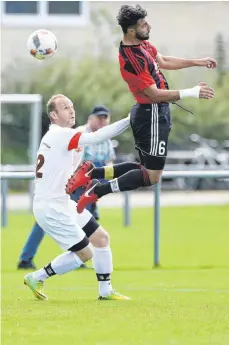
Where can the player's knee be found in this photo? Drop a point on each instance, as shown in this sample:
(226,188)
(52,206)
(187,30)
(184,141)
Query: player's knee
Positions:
(85,254)
(100,238)
(154,179)
(82,249)
(154,176)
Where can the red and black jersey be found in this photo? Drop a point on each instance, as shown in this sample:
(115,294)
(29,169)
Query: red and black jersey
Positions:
(140,70)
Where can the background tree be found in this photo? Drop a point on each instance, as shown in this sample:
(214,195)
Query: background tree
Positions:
(221,58)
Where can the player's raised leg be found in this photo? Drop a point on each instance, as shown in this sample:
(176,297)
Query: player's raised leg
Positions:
(151,127)
(87,171)
(131,180)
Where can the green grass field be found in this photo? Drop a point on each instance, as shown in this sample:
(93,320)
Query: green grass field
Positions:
(185,302)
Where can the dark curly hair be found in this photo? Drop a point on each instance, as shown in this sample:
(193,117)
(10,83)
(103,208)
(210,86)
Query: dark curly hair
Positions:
(129,15)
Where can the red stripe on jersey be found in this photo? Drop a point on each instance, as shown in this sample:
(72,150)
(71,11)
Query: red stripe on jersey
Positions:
(153,52)
(136,60)
(73,143)
(132,61)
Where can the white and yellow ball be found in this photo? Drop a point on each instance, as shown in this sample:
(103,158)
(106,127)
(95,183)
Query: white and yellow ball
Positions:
(42,44)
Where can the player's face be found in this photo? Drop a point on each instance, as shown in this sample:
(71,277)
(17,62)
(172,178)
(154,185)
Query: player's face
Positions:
(97,122)
(142,29)
(65,113)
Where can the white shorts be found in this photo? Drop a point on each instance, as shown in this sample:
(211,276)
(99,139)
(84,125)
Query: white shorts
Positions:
(61,221)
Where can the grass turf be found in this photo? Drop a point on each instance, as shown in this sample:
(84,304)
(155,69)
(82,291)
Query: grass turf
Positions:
(185,302)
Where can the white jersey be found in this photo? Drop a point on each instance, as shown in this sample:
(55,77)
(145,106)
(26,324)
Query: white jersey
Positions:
(61,151)
(54,163)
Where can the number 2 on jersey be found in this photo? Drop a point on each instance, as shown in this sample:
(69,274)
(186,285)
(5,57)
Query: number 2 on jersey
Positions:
(40,163)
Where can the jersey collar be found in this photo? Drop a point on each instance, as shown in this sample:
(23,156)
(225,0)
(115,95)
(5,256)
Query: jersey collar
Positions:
(53,126)
(131,45)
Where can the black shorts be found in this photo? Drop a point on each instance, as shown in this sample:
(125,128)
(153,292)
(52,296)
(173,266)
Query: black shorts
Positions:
(151,124)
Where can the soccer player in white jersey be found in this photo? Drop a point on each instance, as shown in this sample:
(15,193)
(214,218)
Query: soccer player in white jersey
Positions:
(60,152)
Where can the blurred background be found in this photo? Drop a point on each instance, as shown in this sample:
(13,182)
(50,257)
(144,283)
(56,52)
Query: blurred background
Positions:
(86,69)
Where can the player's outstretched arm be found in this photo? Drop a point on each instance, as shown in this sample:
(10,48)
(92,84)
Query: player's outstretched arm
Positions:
(158,95)
(104,133)
(173,63)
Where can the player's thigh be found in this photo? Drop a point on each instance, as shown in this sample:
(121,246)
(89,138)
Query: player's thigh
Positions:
(155,159)
(154,166)
(151,162)
(140,121)
(59,221)
(87,222)
(95,232)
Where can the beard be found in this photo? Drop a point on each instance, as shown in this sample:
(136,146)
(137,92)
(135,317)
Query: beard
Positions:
(142,36)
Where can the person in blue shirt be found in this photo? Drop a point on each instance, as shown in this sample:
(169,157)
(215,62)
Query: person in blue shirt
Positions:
(100,154)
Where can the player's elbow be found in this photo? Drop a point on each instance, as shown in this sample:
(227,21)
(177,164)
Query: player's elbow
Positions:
(163,64)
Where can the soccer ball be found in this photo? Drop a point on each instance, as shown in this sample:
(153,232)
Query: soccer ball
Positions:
(42,44)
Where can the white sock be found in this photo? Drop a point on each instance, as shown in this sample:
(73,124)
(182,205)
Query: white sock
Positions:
(103,265)
(40,274)
(63,263)
(66,262)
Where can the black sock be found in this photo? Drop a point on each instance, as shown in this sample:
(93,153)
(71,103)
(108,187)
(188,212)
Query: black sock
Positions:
(115,170)
(129,181)
(98,173)
(103,189)
(123,168)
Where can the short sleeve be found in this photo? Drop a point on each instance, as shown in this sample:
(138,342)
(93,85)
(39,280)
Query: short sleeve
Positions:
(141,81)
(74,141)
(70,138)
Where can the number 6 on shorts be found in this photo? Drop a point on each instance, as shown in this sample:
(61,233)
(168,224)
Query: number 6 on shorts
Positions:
(161,148)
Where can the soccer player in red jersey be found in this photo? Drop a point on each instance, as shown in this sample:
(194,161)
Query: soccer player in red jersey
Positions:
(140,66)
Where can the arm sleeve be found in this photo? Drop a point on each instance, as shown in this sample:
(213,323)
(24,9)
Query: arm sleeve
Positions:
(73,139)
(104,133)
(76,138)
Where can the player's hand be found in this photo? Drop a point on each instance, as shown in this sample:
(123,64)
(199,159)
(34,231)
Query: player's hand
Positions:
(206,91)
(207,62)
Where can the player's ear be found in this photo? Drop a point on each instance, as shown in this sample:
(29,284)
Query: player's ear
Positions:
(52,115)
